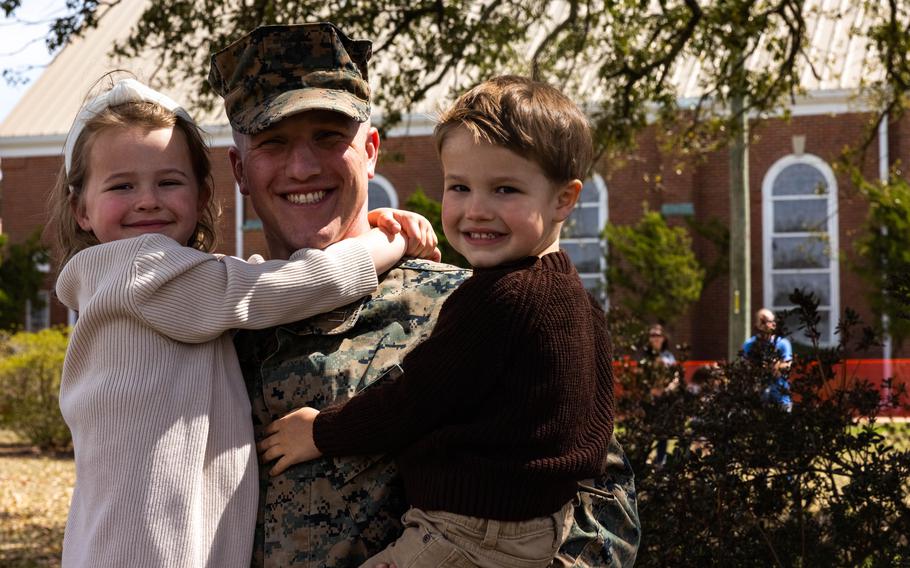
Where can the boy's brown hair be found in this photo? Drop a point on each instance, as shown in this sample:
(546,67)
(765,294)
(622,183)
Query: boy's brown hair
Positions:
(530,118)
(68,192)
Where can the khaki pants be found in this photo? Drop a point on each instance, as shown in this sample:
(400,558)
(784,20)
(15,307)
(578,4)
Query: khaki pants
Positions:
(440,539)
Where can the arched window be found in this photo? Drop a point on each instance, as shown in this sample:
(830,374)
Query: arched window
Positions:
(381,193)
(799,226)
(581,235)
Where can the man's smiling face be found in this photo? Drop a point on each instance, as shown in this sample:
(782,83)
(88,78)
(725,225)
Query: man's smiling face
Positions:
(307,177)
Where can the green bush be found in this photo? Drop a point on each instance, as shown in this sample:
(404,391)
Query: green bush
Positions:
(882,251)
(20,278)
(30,369)
(652,268)
(747,483)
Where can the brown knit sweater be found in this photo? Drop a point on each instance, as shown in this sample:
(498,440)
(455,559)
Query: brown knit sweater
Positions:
(504,408)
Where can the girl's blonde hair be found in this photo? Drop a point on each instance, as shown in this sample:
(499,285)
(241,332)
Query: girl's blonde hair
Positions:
(68,190)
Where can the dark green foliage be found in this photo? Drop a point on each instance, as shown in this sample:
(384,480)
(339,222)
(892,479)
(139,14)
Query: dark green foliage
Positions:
(750,484)
(717,234)
(30,368)
(419,202)
(625,51)
(20,279)
(884,256)
(653,268)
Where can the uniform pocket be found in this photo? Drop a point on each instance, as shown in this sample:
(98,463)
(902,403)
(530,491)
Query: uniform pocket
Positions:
(349,467)
(370,484)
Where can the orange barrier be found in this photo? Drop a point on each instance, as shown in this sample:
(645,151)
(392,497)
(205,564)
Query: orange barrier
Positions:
(886,375)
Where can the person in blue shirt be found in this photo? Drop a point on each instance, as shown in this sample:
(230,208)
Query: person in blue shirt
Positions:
(775,352)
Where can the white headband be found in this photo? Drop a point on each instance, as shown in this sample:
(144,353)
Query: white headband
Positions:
(124,91)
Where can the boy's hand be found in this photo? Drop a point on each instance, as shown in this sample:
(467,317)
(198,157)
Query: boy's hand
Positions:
(421,237)
(290,439)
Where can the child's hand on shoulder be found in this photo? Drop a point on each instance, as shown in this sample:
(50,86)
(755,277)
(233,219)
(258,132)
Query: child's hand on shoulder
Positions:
(421,237)
(290,440)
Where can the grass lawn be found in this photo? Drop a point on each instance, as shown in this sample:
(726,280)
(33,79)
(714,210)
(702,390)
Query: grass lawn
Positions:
(35,491)
(897,432)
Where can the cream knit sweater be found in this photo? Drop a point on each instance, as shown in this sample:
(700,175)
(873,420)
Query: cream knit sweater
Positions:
(153,394)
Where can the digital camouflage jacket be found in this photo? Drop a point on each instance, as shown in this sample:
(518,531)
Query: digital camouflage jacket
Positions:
(340,511)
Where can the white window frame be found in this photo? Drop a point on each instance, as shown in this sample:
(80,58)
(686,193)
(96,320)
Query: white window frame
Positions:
(768,200)
(389,189)
(45,322)
(602,217)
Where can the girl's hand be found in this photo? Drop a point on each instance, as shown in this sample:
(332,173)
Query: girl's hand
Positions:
(290,439)
(420,235)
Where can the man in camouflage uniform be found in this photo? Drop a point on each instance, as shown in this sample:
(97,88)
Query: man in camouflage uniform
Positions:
(298,100)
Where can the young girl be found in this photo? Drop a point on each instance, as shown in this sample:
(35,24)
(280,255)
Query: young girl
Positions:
(151,387)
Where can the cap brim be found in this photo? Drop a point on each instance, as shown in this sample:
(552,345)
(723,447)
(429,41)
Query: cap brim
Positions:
(289,103)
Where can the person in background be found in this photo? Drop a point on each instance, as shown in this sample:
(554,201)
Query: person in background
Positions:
(657,349)
(658,361)
(772,353)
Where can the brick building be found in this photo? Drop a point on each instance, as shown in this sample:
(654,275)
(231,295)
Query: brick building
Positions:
(803,216)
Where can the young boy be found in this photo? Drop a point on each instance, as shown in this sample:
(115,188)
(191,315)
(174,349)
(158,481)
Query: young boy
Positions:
(510,401)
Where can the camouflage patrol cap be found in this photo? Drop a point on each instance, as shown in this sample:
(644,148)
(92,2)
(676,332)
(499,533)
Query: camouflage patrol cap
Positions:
(276,71)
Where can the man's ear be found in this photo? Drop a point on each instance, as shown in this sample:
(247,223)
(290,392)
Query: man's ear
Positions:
(566,197)
(237,168)
(372,151)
